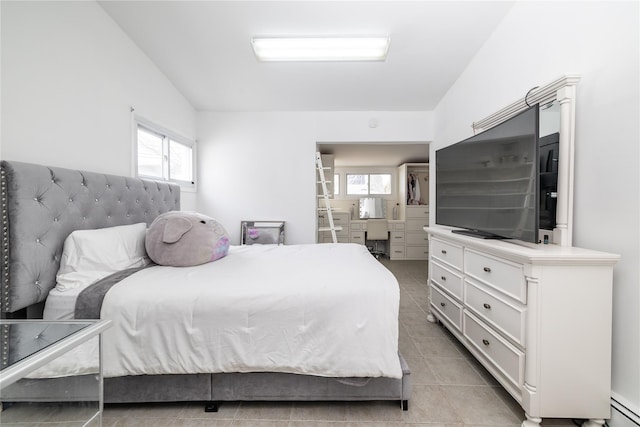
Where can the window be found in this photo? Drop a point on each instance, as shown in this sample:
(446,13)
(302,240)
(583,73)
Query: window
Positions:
(163,155)
(336,184)
(371,183)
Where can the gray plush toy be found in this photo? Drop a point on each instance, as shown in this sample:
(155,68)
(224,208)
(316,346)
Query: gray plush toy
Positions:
(183,239)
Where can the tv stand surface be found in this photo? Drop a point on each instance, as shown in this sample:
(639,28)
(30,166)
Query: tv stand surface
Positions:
(510,306)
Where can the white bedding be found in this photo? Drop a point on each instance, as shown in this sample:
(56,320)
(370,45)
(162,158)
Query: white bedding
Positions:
(325,309)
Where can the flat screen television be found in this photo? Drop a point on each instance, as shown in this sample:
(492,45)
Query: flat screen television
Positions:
(488,185)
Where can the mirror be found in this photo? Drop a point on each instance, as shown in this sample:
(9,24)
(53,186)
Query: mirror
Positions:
(373,207)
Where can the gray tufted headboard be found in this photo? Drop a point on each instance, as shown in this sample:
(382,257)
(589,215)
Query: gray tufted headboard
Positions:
(42,205)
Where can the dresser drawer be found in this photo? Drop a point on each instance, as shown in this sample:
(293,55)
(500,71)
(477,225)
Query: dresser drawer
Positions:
(420,211)
(416,224)
(344,233)
(507,317)
(341,218)
(447,279)
(498,273)
(446,306)
(396,226)
(447,253)
(507,358)
(396,237)
(326,238)
(357,237)
(356,226)
(417,252)
(397,251)
(418,239)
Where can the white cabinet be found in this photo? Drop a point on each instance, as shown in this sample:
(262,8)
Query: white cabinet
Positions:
(416,239)
(413,188)
(357,231)
(397,240)
(340,219)
(537,318)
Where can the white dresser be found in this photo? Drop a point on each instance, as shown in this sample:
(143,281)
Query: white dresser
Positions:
(538,319)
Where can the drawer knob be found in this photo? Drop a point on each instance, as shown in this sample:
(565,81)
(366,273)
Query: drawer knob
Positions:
(444,278)
(444,252)
(487,306)
(485,342)
(442,304)
(487,269)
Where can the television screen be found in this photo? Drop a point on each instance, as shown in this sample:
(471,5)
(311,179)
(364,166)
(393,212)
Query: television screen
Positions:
(488,184)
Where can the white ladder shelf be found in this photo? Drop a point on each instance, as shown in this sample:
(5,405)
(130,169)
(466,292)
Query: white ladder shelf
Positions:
(327,201)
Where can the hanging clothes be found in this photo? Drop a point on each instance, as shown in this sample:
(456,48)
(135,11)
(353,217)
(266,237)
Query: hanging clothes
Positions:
(411,179)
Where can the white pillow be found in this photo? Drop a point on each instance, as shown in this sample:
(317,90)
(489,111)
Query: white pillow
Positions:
(90,255)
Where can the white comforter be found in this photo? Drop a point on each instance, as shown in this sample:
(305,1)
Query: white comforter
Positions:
(325,309)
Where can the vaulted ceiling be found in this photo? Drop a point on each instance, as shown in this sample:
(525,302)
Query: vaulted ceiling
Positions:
(204,48)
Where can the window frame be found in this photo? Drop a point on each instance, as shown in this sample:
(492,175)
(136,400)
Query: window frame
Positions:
(368,193)
(168,137)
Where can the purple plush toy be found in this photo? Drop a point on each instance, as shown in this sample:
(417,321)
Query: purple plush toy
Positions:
(183,239)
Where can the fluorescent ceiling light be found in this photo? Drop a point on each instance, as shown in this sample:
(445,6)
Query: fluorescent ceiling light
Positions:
(320,48)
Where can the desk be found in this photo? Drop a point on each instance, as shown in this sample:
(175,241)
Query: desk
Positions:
(31,345)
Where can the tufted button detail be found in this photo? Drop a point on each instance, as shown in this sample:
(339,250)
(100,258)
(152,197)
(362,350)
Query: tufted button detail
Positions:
(55,219)
(70,199)
(96,200)
(37,282)
(38,240)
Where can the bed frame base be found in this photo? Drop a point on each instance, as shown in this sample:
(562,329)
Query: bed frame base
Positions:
(214,389)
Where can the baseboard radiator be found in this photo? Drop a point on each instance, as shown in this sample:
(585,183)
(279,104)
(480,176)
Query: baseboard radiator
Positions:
(626,408)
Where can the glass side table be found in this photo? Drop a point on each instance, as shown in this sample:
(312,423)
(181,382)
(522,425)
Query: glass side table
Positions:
(51,372)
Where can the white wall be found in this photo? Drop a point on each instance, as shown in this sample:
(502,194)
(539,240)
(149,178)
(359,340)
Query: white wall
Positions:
(69,77)
(261,166)
(536,43)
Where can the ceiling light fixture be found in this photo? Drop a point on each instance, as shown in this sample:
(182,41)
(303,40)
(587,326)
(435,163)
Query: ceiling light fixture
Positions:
(321,48)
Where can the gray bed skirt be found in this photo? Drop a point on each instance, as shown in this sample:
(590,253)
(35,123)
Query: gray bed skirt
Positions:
(255,386)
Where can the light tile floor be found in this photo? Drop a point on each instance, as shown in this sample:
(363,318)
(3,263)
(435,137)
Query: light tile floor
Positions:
(449,387)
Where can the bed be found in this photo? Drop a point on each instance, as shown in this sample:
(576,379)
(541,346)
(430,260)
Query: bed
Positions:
(235,360)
